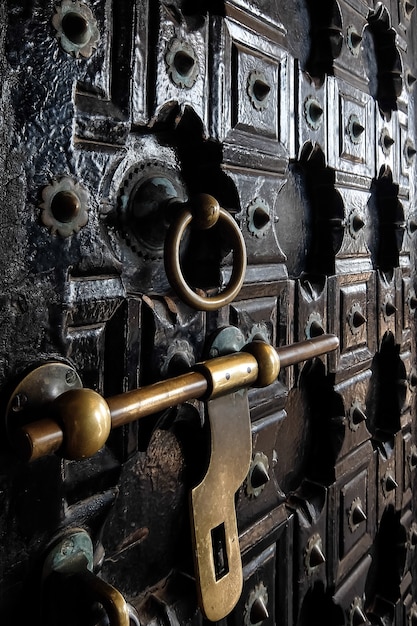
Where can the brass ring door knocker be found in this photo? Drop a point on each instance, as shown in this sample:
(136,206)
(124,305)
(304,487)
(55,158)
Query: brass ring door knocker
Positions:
(204,215)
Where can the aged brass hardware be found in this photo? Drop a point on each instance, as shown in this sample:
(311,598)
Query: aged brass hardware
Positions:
(203,215)
(72,555)
(83,420)
(213,517)
(257,365)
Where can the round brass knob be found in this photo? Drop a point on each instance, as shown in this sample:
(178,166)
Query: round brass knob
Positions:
(203,216)
(268,362)
(85,420)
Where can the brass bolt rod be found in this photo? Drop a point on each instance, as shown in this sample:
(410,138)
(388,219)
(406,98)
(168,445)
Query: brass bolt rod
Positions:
(132,405)
(257,365)
(304,350)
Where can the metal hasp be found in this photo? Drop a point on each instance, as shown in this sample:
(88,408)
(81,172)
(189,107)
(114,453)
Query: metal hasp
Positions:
(72,555)
(212,506)
(223,383)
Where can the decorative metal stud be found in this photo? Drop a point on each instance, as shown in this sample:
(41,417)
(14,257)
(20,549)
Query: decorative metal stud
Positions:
(355,223)
(258,475)
(256,610)
(356,415)
(412,616)
(409,152)
(259,90)
(410,79)
(182,63)
(412,457)
(408,8)
(259,217)
(355,129)
(386,142)
(356,318)
(313,554)
(353,40)
(314,326)
(64,207)
(412,537)
(389,484)
(178,359)
(412,226)
(388,309)
(76,28)
(356,514)
(313,113)
(357,615)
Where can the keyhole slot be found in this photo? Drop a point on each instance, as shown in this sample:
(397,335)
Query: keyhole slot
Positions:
(75,28)
(218,543)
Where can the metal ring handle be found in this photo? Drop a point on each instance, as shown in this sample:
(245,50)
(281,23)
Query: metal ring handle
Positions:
(172,254)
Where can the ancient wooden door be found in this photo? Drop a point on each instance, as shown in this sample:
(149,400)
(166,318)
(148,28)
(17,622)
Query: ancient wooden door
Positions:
(298,117)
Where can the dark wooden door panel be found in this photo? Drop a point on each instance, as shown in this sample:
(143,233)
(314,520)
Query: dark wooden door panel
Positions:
(300,119)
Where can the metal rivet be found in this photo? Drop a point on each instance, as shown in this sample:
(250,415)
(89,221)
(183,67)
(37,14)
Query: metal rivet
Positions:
(314,326)
(358,617)
(259,217)
(356,415)
(356,514)
(390,483)
(316,556)
(358,319)
(261,90)
(353,40)
(256,606)
(408,8)
(355,129)
(412,536)
(355,223)
(413,457)
(258,475)
(411,79)
(412,226)
(313,555)
(386,141)
(389,309)
(313,113)
(258,90)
